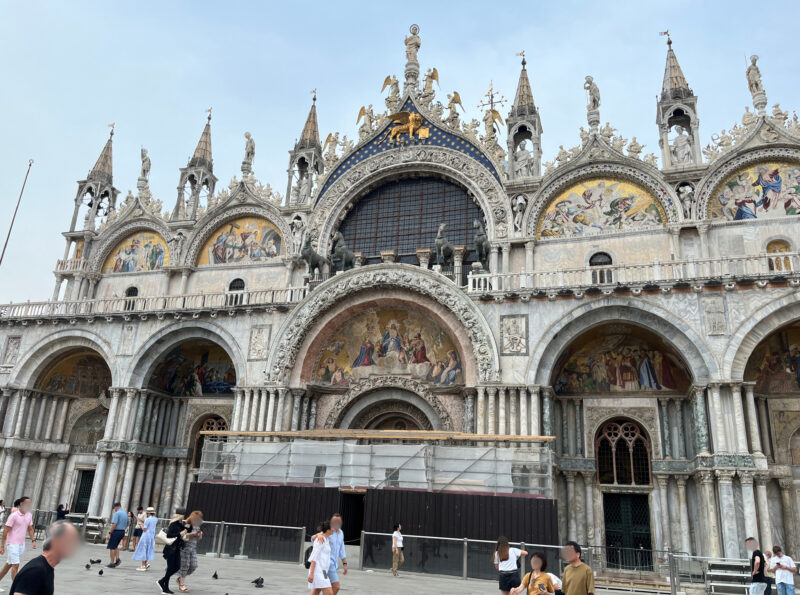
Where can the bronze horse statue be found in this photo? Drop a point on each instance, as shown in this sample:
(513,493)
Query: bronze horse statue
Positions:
(314,261)
(444,249)
(344,257)
(482,245)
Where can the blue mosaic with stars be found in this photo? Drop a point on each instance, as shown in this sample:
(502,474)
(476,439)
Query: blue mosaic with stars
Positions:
(439,137)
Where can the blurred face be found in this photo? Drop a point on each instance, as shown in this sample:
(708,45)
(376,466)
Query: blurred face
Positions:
(65,545)
(568,553)
(336,523)
(25,506)
(750,545)
(536,563)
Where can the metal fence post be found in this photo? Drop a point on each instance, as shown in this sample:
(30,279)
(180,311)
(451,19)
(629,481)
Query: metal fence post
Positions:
(522,561)
(221,537)
(464,559)
(361,551)
(241,543)
(83,525)
(303,545)
(674,579)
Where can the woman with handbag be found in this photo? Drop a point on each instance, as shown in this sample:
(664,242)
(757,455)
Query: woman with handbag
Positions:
(172,550)
(189,552)
(146,548)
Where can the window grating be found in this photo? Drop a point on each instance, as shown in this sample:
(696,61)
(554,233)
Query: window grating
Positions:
(405,215)
(623,454)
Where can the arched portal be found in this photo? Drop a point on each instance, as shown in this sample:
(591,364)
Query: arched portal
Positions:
(194,368)
(390,409)
(77,372)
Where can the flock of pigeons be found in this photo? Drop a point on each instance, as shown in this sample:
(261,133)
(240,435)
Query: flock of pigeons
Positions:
(258,583)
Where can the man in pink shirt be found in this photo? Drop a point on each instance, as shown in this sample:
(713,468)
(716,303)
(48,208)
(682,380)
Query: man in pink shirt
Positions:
(13,539)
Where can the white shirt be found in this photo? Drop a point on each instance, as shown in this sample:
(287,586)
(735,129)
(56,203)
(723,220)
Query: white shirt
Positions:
(321,554)
(399,537)
(511,563)
(555,579)
(783,576)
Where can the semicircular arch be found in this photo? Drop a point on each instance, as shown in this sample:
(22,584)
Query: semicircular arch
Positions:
(117,236)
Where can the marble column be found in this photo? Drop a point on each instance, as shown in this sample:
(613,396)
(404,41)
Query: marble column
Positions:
(147,491)
(96,497)
(740,440)
(174,422)
(597,501)
(730,536)
(55,404)
(112,413)
(686,542)
(23,471)
(572,517)
(297,396)
(502,426)
(38,480)
(565,447)
(168,487)
(710,506)
(236,417)
(263,398)
(152,418)
(588,484)
(9,463)
(536,422)
(9,423)
(280,414)
(244,421)
(763,425)
(787,495)
(764,522)
(61,423)
(718,419)
(111,484)
(65,495)
(752,418)
(180,484)
(254,405)
(548,423)
(680,438)
(304,413)
(513,414)
(138,483)
(270,427)
(579,438)
(492,425)
(158,483)
(665,433)
(127,482)
(663,497)
(30,421)
(700,421)
(523,412)
(493,262)
(141,412)
(125,415)
(312,413)
(20,422)
(41,416)
(749,504)
(481,429)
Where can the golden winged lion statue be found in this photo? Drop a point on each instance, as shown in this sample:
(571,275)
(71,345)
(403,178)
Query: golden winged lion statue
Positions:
(409,123)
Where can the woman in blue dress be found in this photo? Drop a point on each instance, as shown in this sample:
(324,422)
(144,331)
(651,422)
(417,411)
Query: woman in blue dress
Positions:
(145,551)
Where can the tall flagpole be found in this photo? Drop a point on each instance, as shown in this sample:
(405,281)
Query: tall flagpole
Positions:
(19,200)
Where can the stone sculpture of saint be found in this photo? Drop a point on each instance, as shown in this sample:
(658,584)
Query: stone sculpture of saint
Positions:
(145,165)
(754,77)
(522,161)
(413,43)
(593,100)
(681,147)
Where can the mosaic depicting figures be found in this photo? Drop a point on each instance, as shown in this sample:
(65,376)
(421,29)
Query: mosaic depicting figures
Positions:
(244,240)
(89,428)
(389,341)
(82,373)
(194,369)
(142,251)
(620,358)
(600,206)
(775,363)
(762,191)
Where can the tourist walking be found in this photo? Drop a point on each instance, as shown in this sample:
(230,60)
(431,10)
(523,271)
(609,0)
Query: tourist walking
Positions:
(146,548)
(758,582)
(141,517)
(577,578)
(131,524)
(172,552)
(18,523)
(37,577)
(505,560)
(537,580)
(784,568)
(769,575)
(338,551)
(119,522)
(194,534)
(320,558)
(397,548)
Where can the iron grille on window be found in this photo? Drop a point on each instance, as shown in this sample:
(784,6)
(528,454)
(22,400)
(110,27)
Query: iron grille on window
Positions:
(235,295)
(210,424)
(405,216)
(131,292)
(602,274)
(623,454)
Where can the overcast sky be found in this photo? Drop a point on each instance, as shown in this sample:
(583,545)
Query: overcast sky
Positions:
(70,68)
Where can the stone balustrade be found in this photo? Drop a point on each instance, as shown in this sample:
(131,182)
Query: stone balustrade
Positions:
(72,265)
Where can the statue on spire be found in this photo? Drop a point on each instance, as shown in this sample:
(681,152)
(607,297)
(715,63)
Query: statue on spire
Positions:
(249,154)
(413,43)
(145,173)
(592,102)
(753,74)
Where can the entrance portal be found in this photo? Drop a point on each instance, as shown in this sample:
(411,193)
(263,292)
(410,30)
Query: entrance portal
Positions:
(85,482)
(628,539)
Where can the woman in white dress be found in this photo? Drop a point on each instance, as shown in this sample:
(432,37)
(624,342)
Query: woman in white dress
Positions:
(320,558)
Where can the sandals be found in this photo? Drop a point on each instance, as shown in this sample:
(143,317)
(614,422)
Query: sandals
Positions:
(183,589)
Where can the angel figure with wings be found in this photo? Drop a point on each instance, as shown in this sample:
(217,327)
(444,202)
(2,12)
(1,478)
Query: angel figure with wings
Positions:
(369,118)
(427,89)
(489,123)
(393,99)
(453,101)
(330,156)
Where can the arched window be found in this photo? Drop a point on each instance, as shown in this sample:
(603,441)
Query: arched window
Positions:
(405,215)
(623,454)
(213,423)
(776,262)
(603,262)
(131,292)
(235,295)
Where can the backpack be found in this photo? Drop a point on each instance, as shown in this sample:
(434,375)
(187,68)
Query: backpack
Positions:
(307,555)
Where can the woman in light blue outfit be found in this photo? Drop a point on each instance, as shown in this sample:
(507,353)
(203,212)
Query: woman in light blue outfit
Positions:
(145,551)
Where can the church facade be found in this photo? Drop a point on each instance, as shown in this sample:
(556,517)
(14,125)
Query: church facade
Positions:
(642,309)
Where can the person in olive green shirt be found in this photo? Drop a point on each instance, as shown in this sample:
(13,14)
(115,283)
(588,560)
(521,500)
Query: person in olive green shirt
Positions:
(578,578)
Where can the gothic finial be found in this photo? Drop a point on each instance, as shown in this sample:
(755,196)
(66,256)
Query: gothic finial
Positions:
(669,40)
(111,133)
(522,53)
(313,95)
(208,111)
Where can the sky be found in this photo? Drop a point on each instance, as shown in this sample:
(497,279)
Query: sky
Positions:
(68,69)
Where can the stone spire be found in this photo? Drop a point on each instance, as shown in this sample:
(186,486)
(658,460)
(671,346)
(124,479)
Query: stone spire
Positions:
(103,168)
(202,153)
(523,101)
(309,139)
(675,85)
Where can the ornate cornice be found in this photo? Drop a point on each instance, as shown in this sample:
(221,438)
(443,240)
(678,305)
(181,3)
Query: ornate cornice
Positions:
(413,279)
(481,184)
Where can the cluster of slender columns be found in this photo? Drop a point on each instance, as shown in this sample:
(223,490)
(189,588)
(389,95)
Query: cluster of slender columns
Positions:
(260,410)
(509,410)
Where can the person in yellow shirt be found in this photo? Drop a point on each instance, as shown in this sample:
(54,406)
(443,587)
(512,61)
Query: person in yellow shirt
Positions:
(537,580)
(578,578)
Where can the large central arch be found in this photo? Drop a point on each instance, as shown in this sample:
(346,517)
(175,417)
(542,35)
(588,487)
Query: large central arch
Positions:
(292,338)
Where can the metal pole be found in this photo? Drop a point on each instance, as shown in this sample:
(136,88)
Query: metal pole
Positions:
(14,217)
(674,579)
(361,552)
(241,543)
(303,545)
(219,540)
(464,559)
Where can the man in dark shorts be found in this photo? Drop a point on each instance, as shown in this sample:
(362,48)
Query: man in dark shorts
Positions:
(37,577)
(119,523)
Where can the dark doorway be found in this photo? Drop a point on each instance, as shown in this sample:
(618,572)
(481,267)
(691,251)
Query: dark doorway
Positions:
(85,482)
(628,539)
(351,507)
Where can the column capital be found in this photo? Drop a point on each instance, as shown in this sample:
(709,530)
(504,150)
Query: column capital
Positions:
(529,245)
(661,479)
(492,390)
(761,479)
(570,476)
(786,483)
(681,480)
(736,387)
(116,456)
(706,477)
(115,392)
(131,392)
(589,475)
(547,391)
(45,455)
(725,475)
(62,456)
(298,393)
(746,476)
